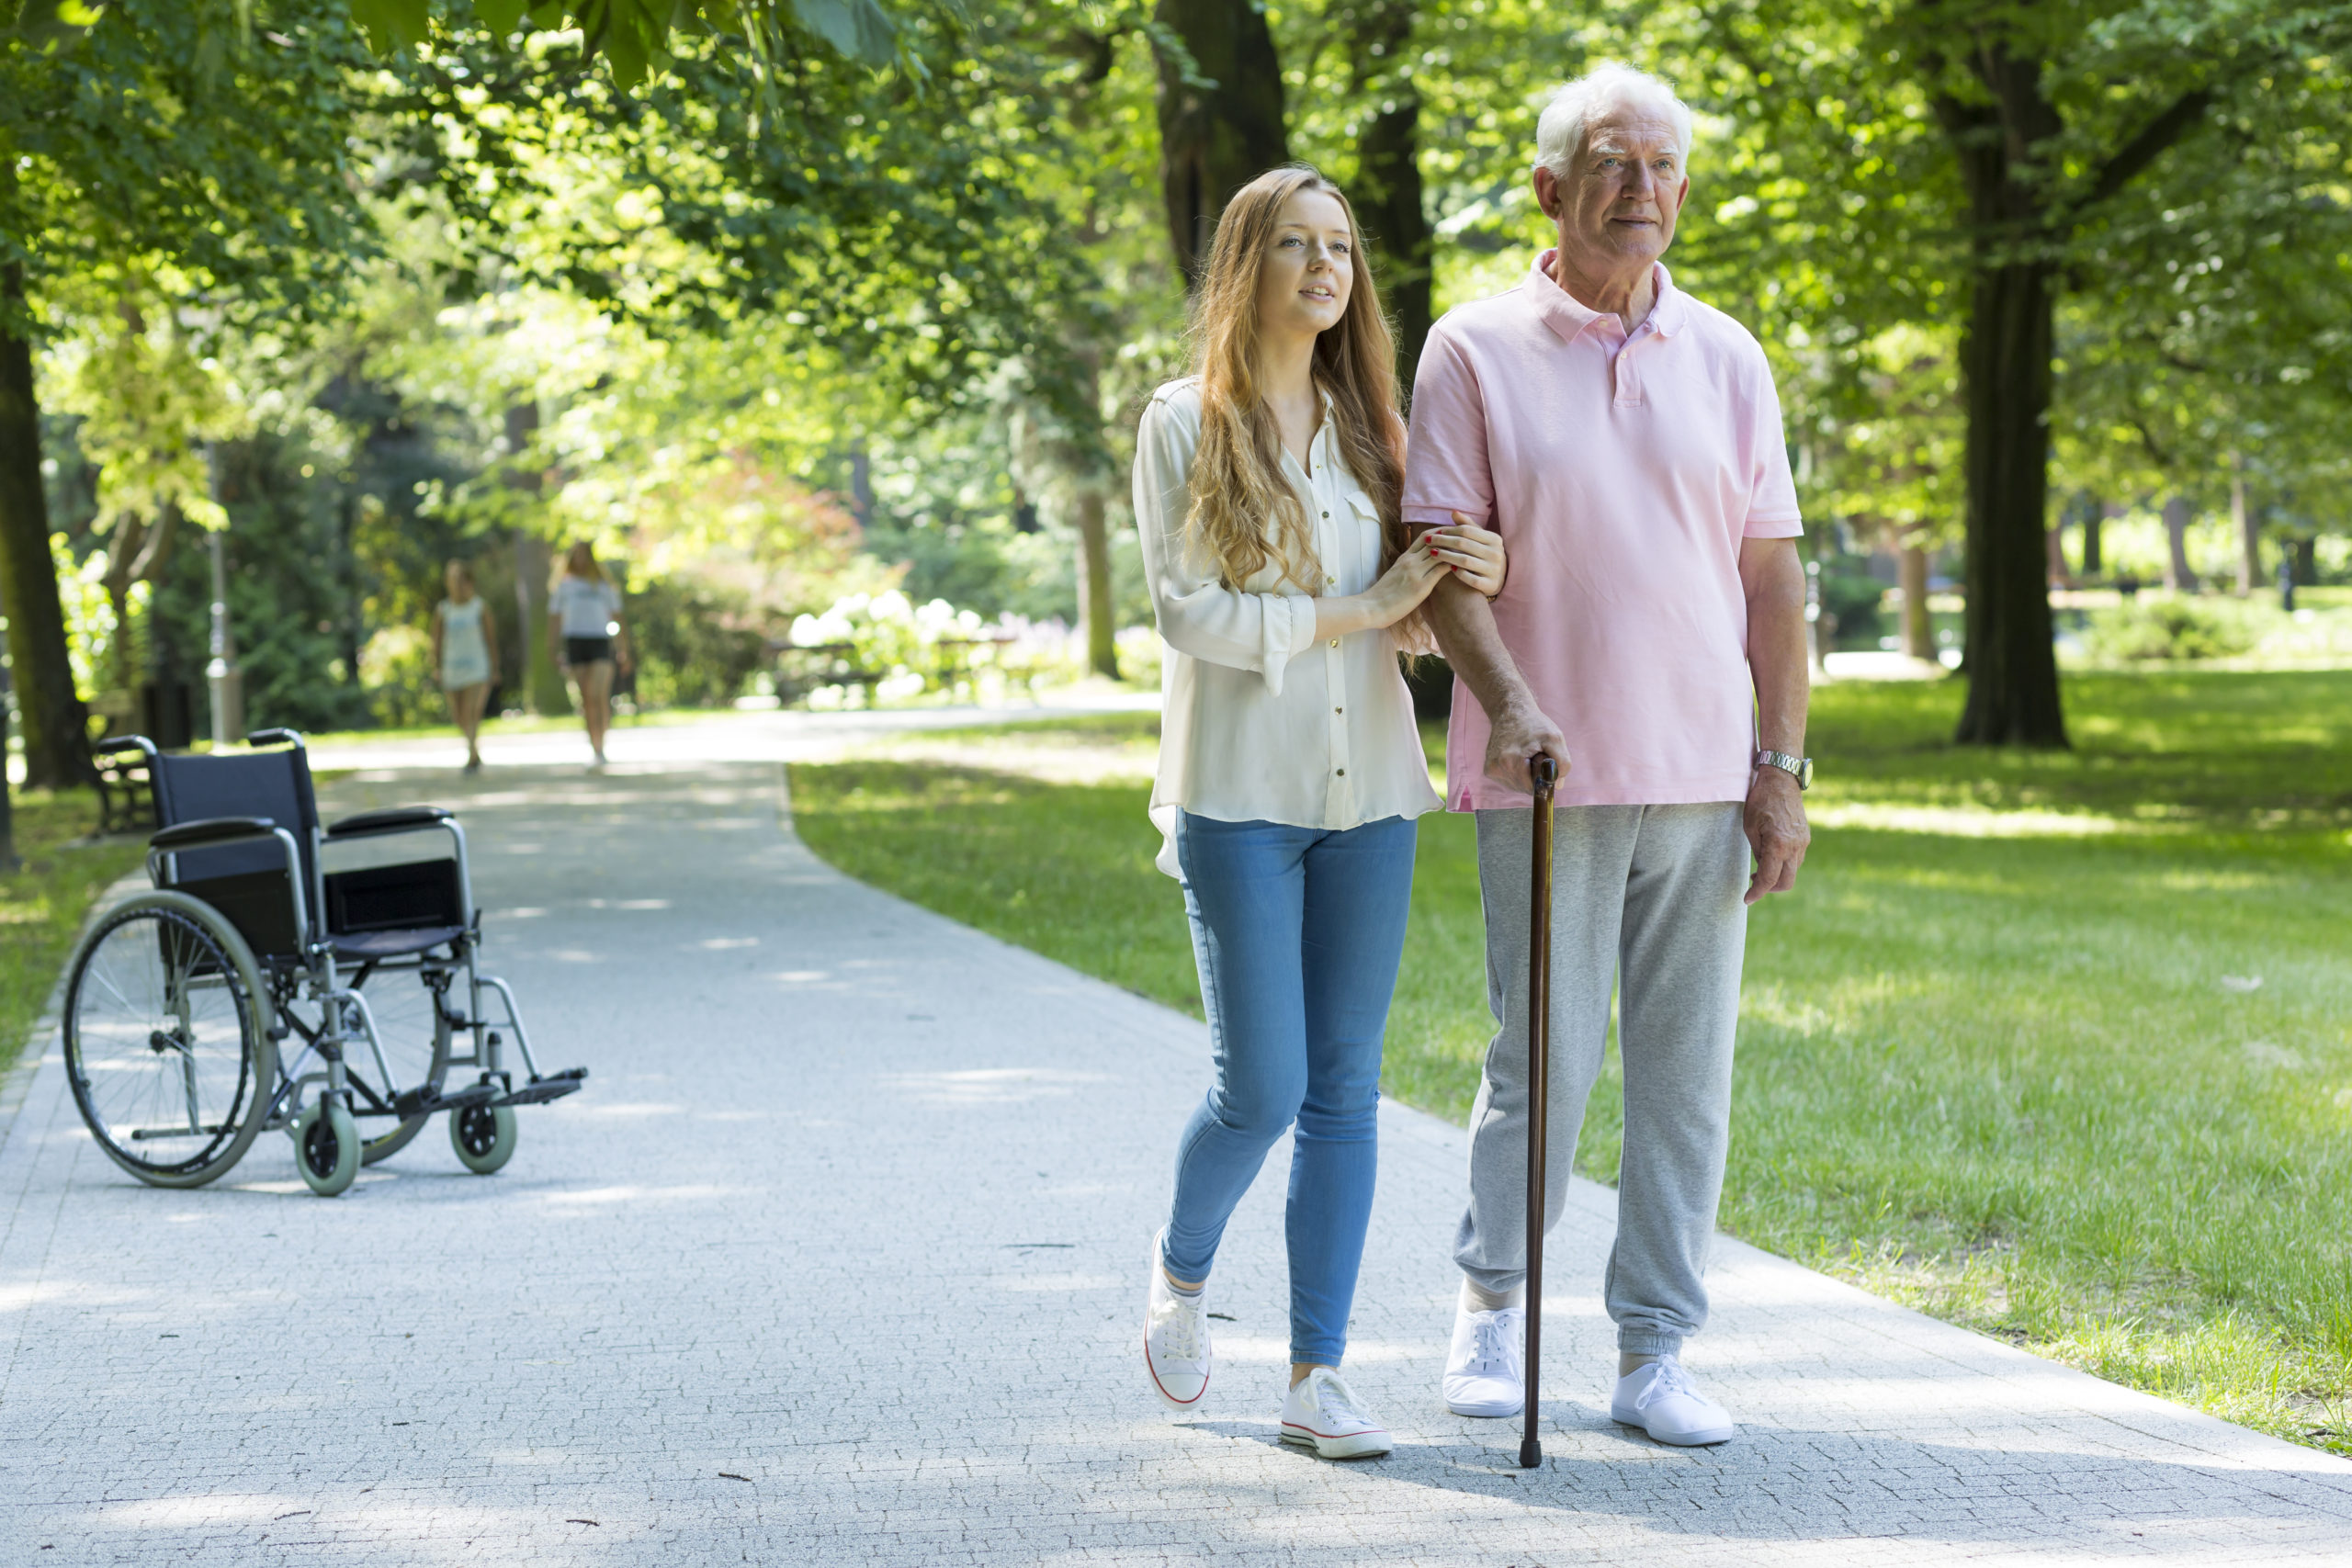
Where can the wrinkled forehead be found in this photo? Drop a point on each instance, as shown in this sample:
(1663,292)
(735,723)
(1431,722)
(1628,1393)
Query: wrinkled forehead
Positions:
(1632,129)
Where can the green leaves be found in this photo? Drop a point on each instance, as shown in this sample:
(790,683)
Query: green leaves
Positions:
(391,24)
(859,29)
(634,36)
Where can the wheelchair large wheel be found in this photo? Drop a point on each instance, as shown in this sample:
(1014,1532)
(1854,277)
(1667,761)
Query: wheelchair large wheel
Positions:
(412,1032)
(167,1045)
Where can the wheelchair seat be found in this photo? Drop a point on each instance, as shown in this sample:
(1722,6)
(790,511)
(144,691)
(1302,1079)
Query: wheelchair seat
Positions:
(372,946)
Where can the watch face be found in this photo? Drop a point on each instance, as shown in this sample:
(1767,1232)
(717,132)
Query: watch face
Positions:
(1804,772)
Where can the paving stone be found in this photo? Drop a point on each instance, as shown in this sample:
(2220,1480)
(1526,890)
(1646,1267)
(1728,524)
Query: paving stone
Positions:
(856,1206)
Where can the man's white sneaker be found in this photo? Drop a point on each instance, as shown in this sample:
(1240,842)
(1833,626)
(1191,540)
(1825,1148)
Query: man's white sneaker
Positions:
(1482,1369)
(1662,1401)
(1321,1414)
(1175,1339)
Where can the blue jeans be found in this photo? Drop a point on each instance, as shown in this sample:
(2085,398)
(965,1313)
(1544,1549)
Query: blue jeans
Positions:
(1298,931)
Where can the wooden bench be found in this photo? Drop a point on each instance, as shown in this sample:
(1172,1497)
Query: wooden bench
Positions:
(126,795)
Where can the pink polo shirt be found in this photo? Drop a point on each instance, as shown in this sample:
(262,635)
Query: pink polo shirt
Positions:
(1622,473)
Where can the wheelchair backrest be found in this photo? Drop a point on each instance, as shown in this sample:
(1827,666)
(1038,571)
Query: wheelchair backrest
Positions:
(246,882)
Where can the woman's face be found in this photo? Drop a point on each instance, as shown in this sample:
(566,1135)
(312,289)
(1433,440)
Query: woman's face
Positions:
(460,587)
(1309,268)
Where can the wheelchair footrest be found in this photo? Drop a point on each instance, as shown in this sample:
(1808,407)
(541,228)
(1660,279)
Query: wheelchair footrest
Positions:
(423,1102)
(539,1091)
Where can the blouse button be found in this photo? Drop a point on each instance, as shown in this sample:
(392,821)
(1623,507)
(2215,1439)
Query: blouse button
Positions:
(1344,773)
(1335,642)
(1327,516)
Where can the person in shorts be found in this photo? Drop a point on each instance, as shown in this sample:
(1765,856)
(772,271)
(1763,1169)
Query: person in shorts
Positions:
(585,622)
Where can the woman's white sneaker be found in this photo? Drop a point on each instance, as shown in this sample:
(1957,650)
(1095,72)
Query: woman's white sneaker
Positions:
(1321,1413)
(1175,1338)
(1482,1368)
(1662,1401)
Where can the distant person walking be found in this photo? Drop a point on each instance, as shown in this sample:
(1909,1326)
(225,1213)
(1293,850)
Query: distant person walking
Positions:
(465,651)
(1290,770)
(584,624)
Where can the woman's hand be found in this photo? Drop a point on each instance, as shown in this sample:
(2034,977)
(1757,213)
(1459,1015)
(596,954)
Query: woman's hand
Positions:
(1398,594)
(1474,553)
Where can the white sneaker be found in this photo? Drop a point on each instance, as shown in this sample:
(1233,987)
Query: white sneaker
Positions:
(1175,1338)
(1482,1369)
(1319,1412)
(1662,1401)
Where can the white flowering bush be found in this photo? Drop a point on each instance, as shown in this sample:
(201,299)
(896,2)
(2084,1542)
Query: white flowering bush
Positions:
(884,647)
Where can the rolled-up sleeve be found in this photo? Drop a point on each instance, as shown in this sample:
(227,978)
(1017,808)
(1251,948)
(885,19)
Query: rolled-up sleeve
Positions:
(1196,613)
(1445,456)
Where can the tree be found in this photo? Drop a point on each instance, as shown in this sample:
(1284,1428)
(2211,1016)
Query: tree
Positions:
(163,137)
(1221,121)
(1952,163)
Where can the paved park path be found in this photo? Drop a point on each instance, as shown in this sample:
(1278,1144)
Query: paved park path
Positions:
(837,1261)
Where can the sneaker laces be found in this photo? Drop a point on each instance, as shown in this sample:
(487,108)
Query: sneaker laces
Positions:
(1670,1378)
(1334,1399)
(1490,1346)
(1176,1329)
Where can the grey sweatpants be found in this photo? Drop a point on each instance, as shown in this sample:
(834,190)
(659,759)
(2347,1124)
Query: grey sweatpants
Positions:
(1650,896)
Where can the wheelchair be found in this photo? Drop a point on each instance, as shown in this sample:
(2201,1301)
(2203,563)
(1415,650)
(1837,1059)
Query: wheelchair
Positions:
(183,1004)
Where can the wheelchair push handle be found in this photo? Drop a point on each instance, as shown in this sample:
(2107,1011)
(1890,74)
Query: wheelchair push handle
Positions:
(276,737)
(114,743)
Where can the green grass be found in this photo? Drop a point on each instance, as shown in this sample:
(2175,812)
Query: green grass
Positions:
(42,903)
(2002,1054)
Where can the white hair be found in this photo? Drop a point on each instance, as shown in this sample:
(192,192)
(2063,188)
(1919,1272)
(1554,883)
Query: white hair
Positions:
(1560,134)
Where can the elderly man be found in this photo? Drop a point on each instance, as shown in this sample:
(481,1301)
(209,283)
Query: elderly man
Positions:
(1625,441)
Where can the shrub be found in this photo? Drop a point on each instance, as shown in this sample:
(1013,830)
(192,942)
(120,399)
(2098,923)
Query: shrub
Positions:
(2165,628)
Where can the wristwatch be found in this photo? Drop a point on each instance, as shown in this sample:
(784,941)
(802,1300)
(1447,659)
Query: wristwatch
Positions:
(1797,768)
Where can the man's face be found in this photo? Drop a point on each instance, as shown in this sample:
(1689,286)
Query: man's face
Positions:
(1616,207)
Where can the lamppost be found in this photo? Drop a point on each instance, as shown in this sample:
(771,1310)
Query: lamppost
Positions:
(226,682)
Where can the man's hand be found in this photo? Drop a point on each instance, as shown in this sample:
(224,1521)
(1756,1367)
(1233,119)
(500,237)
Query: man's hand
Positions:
(1776,833)
(1519,732)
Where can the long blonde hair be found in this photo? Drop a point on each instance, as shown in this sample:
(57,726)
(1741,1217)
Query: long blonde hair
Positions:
(1244,514)
(580,560)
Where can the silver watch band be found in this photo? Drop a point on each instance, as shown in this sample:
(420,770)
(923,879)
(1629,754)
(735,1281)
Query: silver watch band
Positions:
(1797,768)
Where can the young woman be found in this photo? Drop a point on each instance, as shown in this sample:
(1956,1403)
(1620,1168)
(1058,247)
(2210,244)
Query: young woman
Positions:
(465,650)
(1289,774)
(584,624)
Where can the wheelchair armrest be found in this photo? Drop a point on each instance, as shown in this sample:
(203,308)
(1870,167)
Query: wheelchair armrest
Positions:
(211,829)
(114,743)
(400,820)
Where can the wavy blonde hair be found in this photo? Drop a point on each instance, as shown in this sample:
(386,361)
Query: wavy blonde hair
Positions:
(1244,514)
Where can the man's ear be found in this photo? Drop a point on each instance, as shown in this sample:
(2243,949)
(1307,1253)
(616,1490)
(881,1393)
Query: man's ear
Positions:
(1547,191)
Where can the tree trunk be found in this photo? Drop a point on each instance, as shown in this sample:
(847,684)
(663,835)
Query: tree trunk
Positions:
(2012,669)
(57,752)
(1215,138)
(1387,193)
(2179,577)
(1918,626)
(1095,607)
(2249,529)
(2094,514)
(2054,539)
(543,691)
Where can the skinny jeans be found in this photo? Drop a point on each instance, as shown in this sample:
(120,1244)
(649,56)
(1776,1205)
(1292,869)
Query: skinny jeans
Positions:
(1297,932)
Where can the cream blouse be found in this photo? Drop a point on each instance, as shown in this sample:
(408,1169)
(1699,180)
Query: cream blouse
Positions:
(1258,723)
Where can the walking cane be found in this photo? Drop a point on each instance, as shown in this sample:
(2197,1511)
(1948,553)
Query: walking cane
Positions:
(1539,1091)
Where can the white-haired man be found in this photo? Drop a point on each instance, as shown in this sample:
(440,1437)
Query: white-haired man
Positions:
(1625,440)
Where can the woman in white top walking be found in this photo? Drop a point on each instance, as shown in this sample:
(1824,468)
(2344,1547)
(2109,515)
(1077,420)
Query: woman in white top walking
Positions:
(1266,490)
(465,651)
(584,624)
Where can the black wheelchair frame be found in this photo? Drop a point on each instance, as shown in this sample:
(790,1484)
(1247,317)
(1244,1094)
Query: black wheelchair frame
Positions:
(180,1002)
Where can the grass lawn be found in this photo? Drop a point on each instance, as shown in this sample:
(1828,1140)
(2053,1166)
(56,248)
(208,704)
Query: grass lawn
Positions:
(41,904)
(2054,1046)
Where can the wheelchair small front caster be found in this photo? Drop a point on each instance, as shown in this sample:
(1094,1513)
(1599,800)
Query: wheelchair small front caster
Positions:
(326,1147)
(483,1136)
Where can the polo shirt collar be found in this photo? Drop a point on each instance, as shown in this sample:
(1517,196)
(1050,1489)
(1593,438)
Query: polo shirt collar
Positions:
(1568,318)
